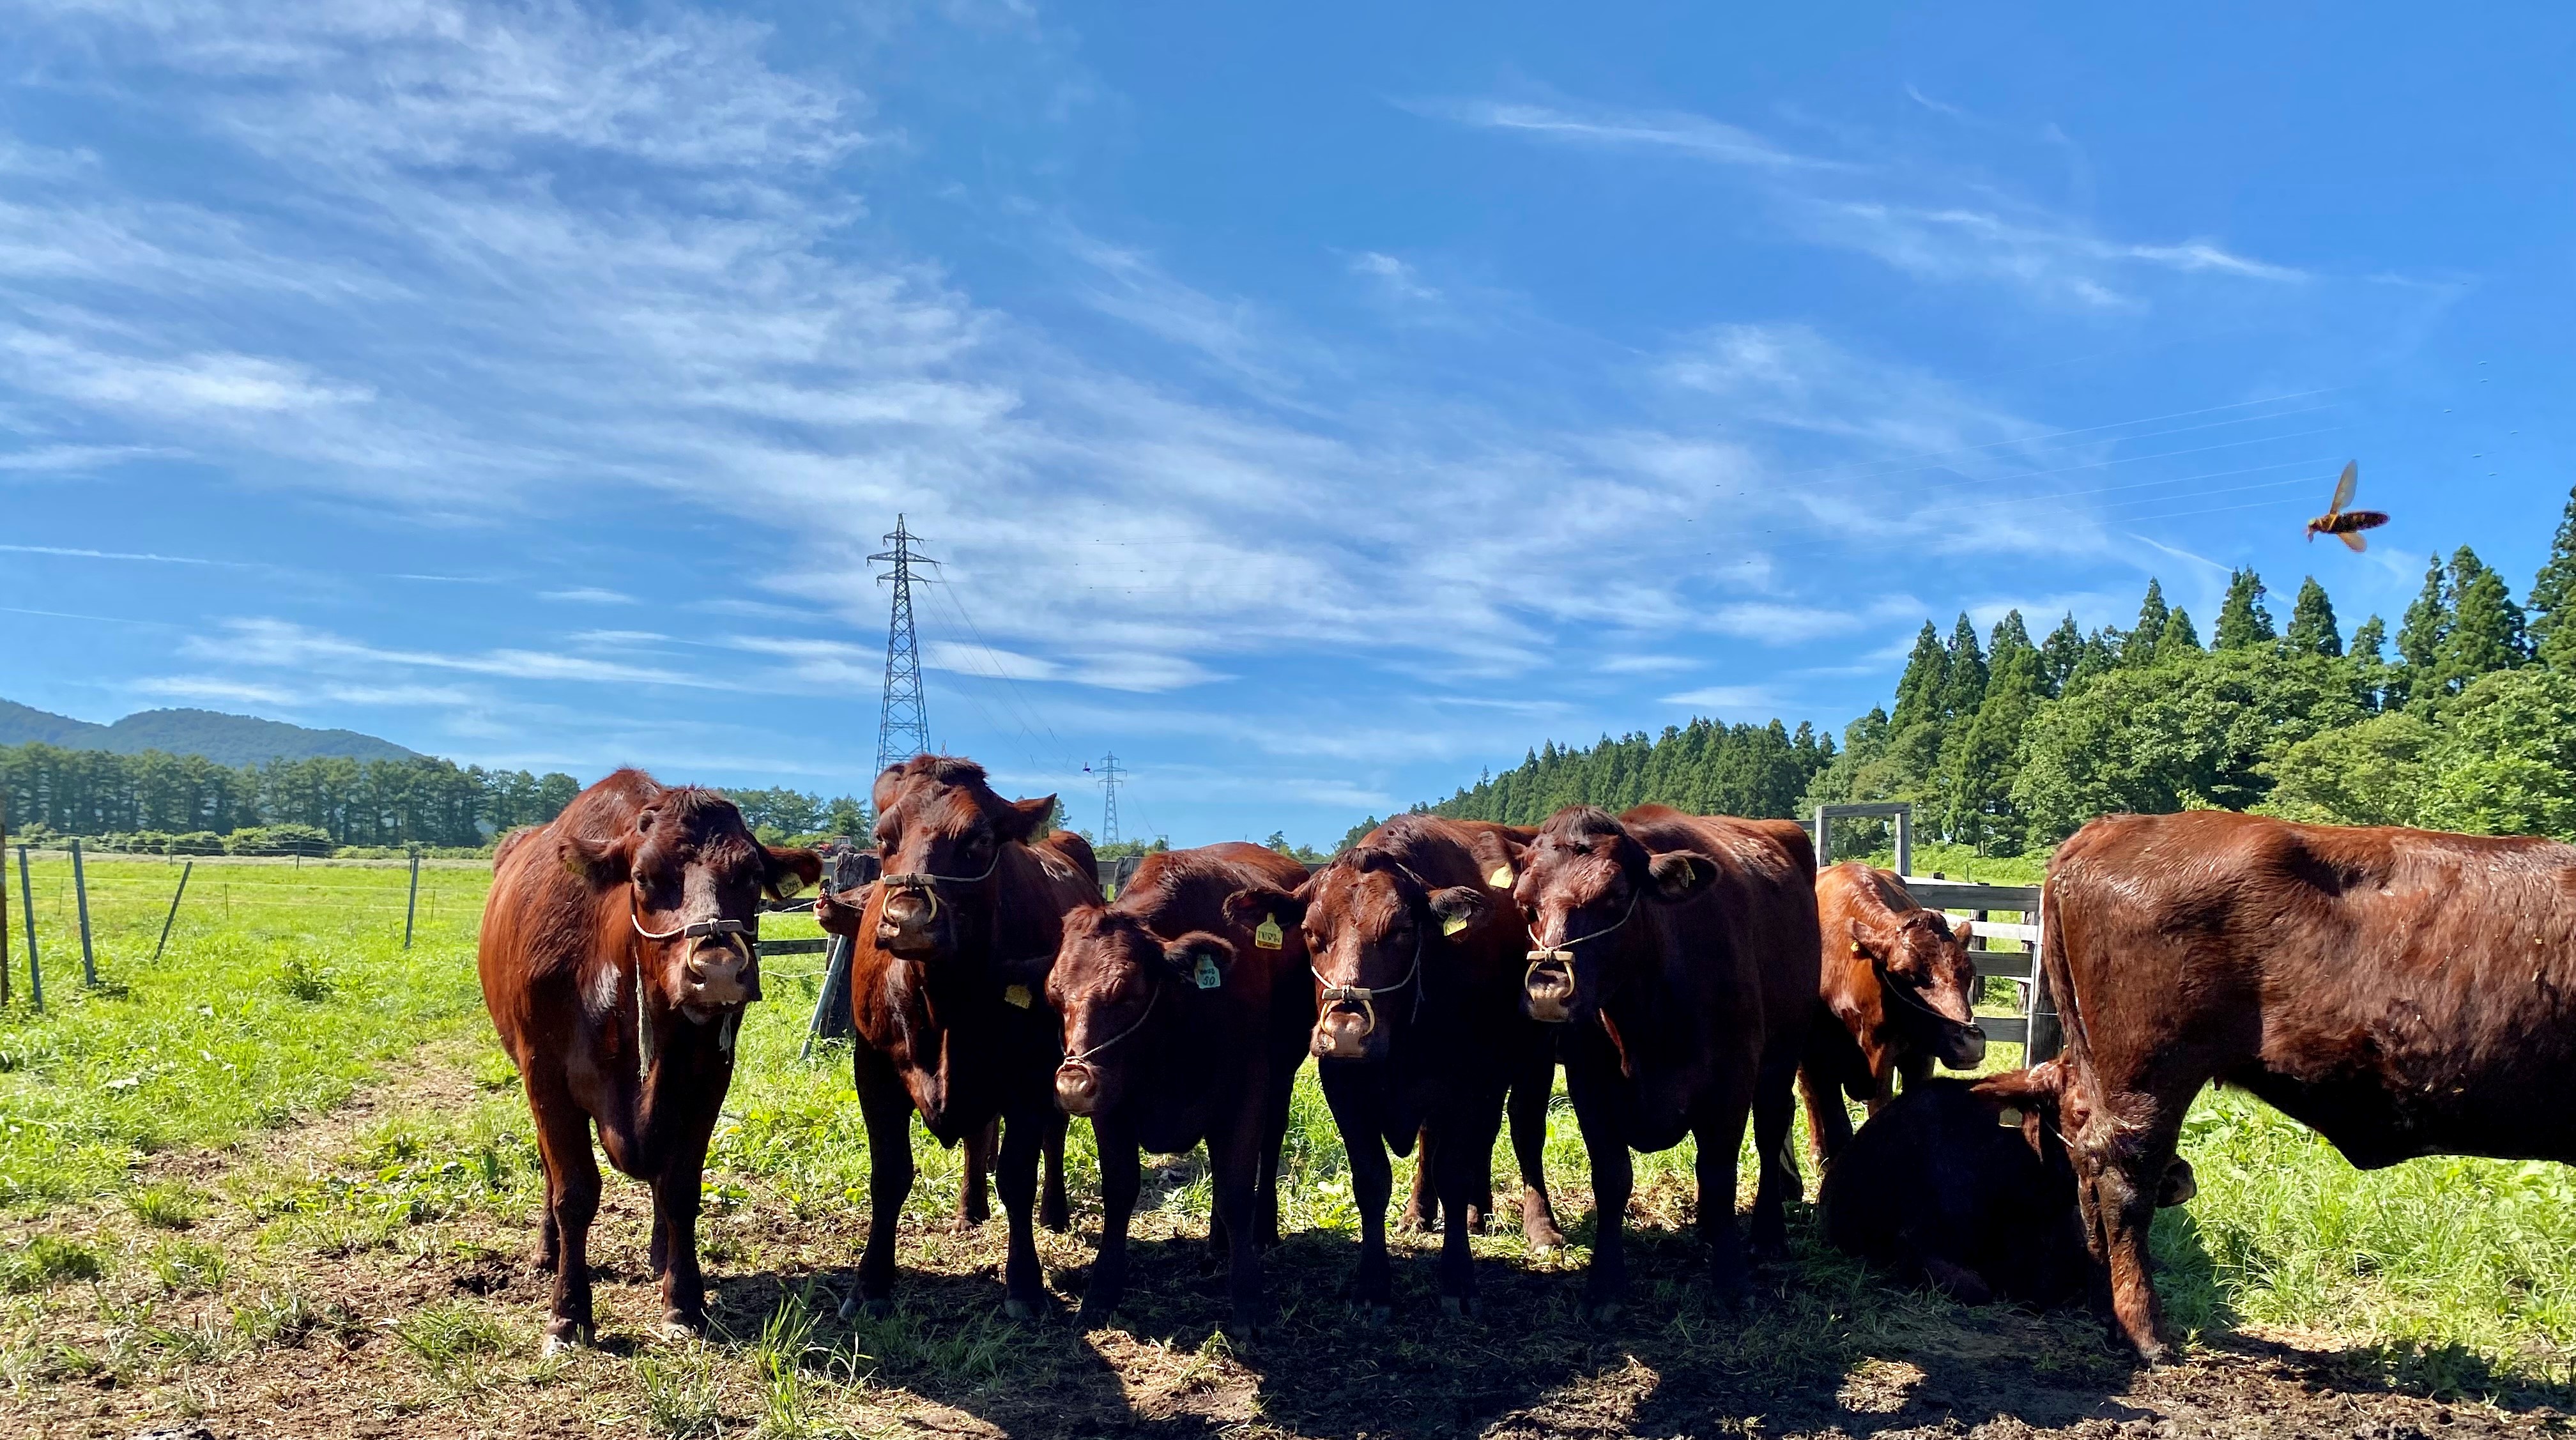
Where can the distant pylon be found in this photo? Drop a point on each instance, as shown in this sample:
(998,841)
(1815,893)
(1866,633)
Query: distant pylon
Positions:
(1108,773)
(903,724)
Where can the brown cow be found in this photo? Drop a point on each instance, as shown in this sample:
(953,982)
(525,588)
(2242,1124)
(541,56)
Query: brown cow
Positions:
(1678,953)
(1898,992)
(1185,1023)
(1420,1028)
(620,943)
(948,960)
(2405,993)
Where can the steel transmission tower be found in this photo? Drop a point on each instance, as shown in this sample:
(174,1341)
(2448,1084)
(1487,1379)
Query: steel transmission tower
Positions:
(903,725)
(1108,773)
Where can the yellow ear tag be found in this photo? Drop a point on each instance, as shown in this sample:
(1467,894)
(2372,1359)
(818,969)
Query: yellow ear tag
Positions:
(1208,976)
(1855,947)
(1452,924)
(1017,996)
(2009,1117)
(1501,879)
(1267,935)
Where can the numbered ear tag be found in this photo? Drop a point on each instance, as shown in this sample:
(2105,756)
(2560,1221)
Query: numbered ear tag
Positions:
(1267,935)
(1017,997)
(1452,924)
(1208,976)
(1501,879)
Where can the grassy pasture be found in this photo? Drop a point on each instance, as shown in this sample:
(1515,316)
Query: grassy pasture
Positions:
(286,1162)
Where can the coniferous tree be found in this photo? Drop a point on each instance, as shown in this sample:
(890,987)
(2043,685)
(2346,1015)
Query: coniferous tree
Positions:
(1926,681)
(1979,778)
(2140,648)
(2179,638)
(2312,623)
(2553,594)
(2101,653)
(1964,664)
(2369,638)
(2242,620)
(2059,654)
(2486,630)
(2419,636)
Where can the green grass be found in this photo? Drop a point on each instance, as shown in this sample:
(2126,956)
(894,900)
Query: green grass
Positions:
(283,989)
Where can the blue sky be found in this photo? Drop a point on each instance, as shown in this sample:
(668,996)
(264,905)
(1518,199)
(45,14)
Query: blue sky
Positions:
(1314,407)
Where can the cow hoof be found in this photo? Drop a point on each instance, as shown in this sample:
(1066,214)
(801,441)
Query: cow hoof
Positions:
(1412,1223)
(1603,1312)
(565,1335)
(1373,1314)
(1461,1306)
(1019,1309)
(1093,1317)
(876,1309)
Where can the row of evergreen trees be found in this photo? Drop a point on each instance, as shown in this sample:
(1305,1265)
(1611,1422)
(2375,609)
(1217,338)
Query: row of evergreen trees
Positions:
(424,801)
(2007,743)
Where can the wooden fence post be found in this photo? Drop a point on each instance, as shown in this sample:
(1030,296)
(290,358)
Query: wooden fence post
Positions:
(189,870)
(80,893)
(27,911)
(4,897)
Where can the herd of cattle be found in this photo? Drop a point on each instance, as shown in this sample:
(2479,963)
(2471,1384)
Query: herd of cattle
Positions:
(2403,992)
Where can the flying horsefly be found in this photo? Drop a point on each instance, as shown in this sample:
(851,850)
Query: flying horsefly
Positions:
(2347,525)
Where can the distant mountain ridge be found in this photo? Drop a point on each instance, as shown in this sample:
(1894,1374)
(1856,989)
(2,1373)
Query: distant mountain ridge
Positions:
(224,739)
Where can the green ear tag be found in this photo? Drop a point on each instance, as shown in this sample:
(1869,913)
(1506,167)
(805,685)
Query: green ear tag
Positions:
(1017,996)
(1207,975)
(1267,935)
(1452,924)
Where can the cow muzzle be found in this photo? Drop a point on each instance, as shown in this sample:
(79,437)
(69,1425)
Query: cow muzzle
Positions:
(1077,1088)
(1963,1047)
(904,921)
(1343,1034)
(1547,986)
(720,972)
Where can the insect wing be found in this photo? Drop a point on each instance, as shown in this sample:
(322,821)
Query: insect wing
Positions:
(2344,486)
(2353,539)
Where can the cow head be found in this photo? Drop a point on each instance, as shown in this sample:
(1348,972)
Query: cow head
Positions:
(1369,925)
(1581,883)
(1115,983)
(1927,984)
(694,876)
(940,833)
(2045,1104)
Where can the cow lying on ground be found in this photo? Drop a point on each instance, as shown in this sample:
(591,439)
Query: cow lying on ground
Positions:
(1966,1186)
(1898,991)
(1418,1027)
(1185,1023)
(948,962)
(1678,953)
(2402,992)
(619,945)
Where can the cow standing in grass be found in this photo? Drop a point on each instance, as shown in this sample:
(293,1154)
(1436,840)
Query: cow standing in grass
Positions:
(620,944)
(1678,954)
(2402,992)
(1185,1020)
(1419,1031)
(1898,992)
(948,963)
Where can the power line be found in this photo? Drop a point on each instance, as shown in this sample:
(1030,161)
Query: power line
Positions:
(903,719)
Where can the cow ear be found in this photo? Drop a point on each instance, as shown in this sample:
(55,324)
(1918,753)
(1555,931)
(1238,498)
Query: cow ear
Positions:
(1187,953)
(889,784)
(1248,908)
(1025,820)
(1458,907)
(783,873)
(1966,930)
(1680,874)
(1868,942)
(1498,859)
(842,914)
(601,863)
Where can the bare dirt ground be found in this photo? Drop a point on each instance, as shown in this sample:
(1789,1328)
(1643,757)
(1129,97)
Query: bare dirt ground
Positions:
(424,1324)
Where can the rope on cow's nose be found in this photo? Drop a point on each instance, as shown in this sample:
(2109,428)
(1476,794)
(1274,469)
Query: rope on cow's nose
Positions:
(695,929)
(1562,952)
(928,884)
(1365,997)
(1084,1057)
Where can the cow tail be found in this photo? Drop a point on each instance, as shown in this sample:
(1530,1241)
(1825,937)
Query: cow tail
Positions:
(2059,979)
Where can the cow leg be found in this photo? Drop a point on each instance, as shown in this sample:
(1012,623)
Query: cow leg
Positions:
(1372,1183)
(572,1198)
(1466,1166)
(1121,1176)
(2124,1182)
(1054,1211)
(1529,1100)
(1422,1201)
(1275,1099)
(675,1231)
(1605,1283)
(1774,1107)
(887,1110)
(1023,1284)
(1829,1126)
(1233,1165)
(548,1241)
(1720,1133)
(974,1202)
